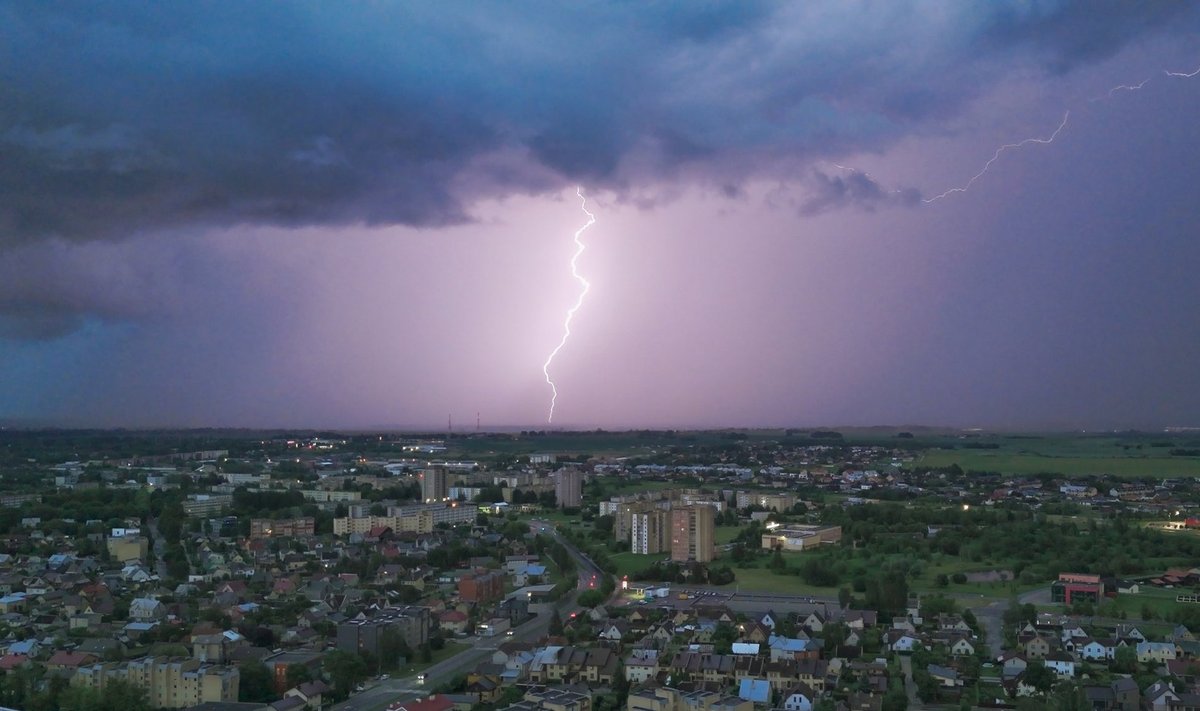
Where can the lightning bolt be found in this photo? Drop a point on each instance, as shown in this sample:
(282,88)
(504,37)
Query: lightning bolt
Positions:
(1182,74)
(996,156)
(1121,87)
(1013,146)
(579,247)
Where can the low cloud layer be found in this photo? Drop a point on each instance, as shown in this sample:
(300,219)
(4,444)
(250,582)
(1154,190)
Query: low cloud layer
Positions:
(136,119)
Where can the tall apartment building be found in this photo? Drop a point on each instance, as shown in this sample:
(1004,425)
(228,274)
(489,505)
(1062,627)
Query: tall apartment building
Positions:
(568,488)
(692,534)
(169,683)
(366,635)
(435,485)
(623,519)
(648,531)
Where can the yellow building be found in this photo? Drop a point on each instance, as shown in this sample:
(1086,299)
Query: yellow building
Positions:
(169,683)
(126,548)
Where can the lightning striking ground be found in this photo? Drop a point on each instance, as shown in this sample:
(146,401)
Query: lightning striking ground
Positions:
(579,247)
(996,156)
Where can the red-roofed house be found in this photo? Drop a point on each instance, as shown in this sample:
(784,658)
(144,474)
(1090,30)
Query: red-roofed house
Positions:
(11,661)
(453,621)
(70,660)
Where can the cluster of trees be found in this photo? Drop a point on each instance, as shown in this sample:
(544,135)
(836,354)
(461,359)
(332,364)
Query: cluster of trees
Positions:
(1027,543)
(30,689)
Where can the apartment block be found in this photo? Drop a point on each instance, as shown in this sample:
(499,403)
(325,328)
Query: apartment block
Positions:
(692,533)
(169,683)
(568,488)
(771,501)
(649,531)
(365,634)
(419,518)
(206,504)
(435,485)
(282,528)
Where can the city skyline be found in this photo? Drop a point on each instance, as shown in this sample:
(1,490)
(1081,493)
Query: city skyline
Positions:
(362,217)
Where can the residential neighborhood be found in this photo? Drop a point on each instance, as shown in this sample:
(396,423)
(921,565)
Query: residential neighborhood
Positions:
(314,573)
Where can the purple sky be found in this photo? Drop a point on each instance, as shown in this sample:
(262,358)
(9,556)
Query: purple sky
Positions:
(313,215)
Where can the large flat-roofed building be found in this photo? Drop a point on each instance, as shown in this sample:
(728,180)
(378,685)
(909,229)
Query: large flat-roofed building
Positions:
(418,518)
(365,635)
(282,528)
(799,537)
(206,504)
(1075,587)
(568,488)
(692,534)
(771,501)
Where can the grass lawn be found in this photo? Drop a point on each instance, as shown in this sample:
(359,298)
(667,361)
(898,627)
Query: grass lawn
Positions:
(449,650)
(628,563)
(726,534)
(763,580)
(1161,602)
(1008,462)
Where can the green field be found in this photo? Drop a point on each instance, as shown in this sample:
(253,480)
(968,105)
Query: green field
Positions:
(628,563)
(726,534)
(763,580)
(1034,463)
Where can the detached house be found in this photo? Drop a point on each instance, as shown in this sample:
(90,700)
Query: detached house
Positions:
(1061,664)
(146,609)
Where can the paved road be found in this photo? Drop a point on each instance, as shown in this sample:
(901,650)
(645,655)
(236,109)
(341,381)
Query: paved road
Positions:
(407,688)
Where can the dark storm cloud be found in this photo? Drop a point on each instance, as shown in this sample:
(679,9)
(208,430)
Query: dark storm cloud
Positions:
(1071,32)
(853,189)
(133,118)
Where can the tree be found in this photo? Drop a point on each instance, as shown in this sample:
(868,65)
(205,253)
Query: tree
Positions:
(895,700)
(255,684)
(345,670)
(1039,676)
(556,625)
(591,598)
(298,674)
(1070,697)
(1125,660)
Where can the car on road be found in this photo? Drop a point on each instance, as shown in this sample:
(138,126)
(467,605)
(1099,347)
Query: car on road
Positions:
(421,678)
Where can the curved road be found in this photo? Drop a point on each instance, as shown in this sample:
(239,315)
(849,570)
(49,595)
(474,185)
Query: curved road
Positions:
(389,691)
